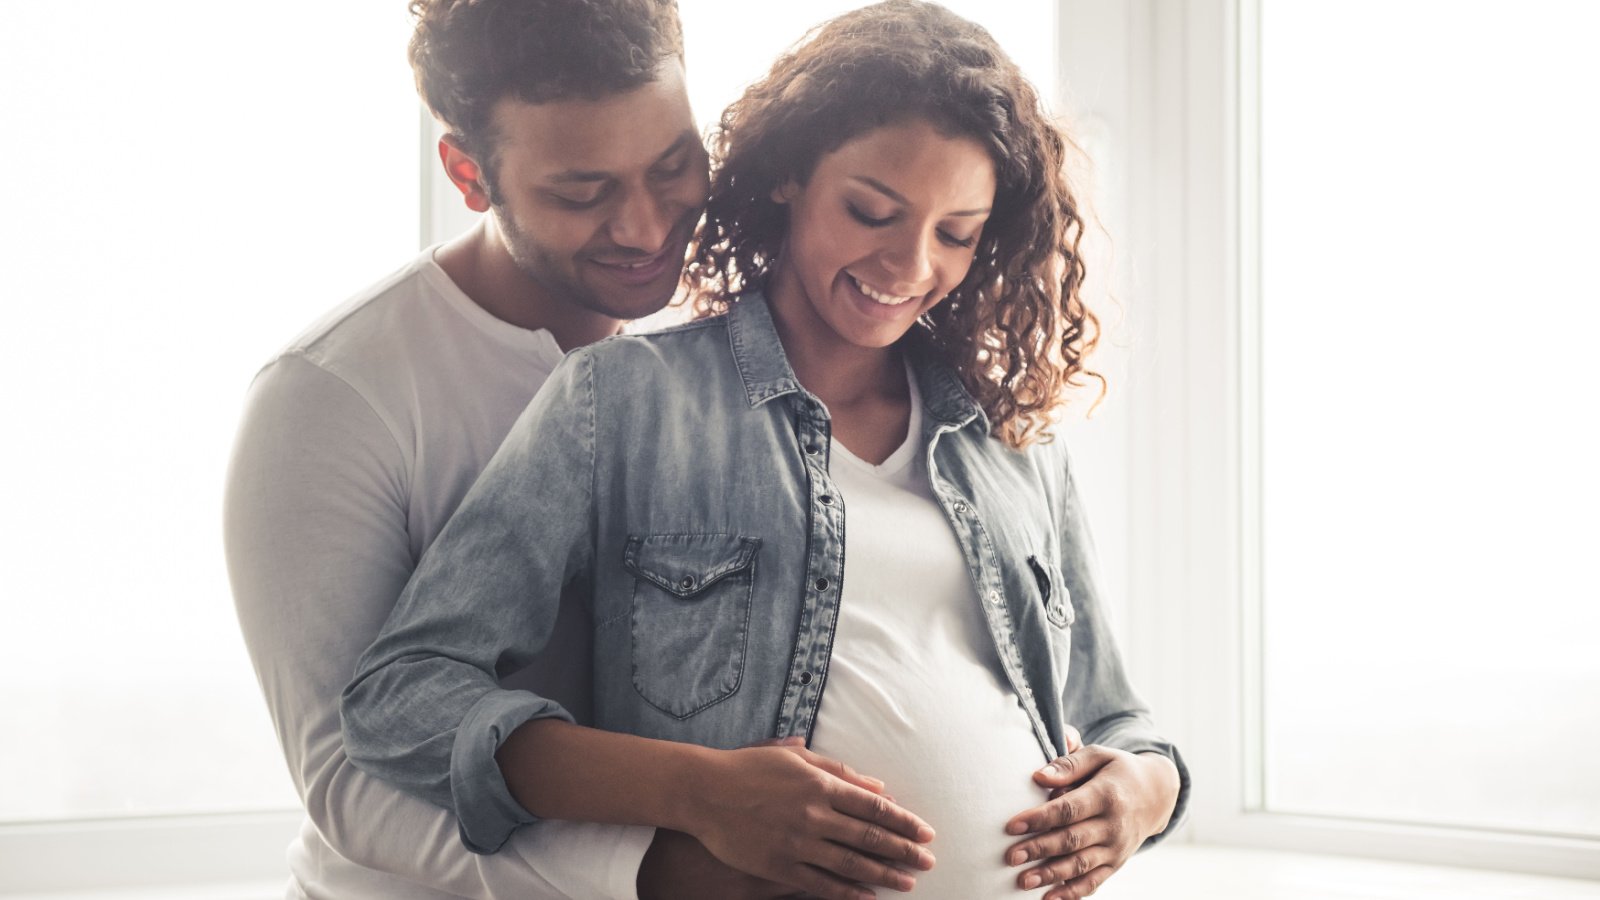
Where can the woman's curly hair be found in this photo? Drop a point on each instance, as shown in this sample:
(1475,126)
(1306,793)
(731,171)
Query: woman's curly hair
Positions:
(1016,329)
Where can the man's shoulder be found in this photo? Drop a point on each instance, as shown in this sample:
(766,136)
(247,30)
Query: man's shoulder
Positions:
(363,327)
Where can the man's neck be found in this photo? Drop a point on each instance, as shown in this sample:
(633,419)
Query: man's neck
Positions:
(480,265)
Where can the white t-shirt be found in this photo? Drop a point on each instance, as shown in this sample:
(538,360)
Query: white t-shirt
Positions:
(357,443)
(915,694)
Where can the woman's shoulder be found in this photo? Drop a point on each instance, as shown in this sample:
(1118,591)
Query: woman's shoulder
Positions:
(664,366)
(659,348)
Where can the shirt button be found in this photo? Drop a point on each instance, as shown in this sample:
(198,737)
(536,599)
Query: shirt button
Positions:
(805,677)
(995,598)
(812,449)
(686,582)
(826,499)
(822,584)
(961,507)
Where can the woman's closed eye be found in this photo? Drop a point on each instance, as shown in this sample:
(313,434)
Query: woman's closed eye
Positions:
(879,222)
(869,221)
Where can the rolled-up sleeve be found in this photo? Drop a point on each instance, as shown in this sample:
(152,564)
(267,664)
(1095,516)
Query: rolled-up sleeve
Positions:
(1098,698)
(425,710)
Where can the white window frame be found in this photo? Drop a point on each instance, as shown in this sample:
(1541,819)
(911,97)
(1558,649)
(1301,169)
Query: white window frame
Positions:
(156,851)
(1185,129)
(226,847)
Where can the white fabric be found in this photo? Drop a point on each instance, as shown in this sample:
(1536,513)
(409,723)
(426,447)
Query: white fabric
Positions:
(357,443)
(915,694)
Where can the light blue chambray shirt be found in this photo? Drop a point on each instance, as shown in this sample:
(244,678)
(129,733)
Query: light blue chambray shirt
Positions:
(678,481)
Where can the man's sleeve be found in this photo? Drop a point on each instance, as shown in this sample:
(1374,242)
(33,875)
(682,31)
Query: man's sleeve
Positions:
(425,709)
(318,552)
(1098,698)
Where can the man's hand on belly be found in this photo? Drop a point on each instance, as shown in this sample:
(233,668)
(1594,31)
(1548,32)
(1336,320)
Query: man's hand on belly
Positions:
(1104,803)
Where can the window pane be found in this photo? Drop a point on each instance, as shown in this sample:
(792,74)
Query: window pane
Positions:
(727,50)
(1429,190)
(186,189)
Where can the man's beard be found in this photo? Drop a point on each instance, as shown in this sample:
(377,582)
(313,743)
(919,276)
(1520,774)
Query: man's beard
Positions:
(560,281)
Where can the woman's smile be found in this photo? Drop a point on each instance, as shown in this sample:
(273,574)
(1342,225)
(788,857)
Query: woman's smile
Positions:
(879,232)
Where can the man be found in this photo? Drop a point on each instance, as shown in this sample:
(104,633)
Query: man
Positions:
(570,129)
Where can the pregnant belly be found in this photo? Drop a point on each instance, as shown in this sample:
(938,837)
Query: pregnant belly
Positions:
(954,747)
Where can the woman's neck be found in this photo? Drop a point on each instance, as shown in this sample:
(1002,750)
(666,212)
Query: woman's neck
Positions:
(841,375)
(864,388)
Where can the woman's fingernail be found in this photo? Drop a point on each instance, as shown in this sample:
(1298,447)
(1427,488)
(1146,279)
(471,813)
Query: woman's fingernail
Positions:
(1050,771)
(1017,828)
(1030,881)
(1018,857)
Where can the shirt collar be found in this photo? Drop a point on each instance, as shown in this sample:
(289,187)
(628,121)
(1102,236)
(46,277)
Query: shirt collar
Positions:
(764,368)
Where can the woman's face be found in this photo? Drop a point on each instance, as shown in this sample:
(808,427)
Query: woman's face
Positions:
(883,230)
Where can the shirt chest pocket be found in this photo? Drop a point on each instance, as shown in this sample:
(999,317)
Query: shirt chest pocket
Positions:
(691,617)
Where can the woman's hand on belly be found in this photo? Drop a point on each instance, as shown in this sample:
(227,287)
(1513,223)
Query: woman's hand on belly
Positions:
(1104,803)
(788,815)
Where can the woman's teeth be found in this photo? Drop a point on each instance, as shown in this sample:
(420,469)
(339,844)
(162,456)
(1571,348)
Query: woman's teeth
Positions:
(885,299)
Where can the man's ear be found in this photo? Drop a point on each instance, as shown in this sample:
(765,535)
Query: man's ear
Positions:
(785,191)
(465,173)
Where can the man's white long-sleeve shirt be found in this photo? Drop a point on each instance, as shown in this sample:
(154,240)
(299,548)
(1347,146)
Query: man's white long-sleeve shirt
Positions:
(356,445)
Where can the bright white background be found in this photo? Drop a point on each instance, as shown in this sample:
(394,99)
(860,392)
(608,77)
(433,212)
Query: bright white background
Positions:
(185,197)
(1429,308)
(184,191)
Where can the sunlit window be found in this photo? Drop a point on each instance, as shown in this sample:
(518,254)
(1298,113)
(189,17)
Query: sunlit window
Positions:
(1429,309)
(186,188)
(728,47)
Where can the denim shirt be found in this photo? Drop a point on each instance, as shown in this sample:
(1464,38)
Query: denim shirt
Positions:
(679,481)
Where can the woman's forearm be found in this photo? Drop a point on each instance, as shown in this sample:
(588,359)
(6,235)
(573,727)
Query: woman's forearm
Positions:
(558,770)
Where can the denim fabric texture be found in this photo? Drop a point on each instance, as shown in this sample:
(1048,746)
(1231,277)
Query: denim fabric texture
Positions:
(679,481)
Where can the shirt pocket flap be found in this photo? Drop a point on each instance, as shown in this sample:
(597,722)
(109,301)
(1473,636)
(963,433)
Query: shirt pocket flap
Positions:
(686,564)
(1054,591)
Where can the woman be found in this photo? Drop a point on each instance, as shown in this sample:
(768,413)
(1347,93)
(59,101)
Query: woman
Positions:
(893,244)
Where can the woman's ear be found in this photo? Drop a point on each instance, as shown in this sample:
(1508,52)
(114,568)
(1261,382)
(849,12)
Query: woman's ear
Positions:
(785,191)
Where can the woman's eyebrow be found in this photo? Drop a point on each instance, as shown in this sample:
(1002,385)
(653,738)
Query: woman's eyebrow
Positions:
(897,197)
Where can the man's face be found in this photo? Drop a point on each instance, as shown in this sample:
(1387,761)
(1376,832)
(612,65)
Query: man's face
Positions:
(597,199)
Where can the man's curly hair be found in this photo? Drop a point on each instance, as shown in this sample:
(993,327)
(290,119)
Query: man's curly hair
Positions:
(468,54)
(1016,329)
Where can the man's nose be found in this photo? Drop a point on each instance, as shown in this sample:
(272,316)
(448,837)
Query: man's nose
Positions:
(642,222)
